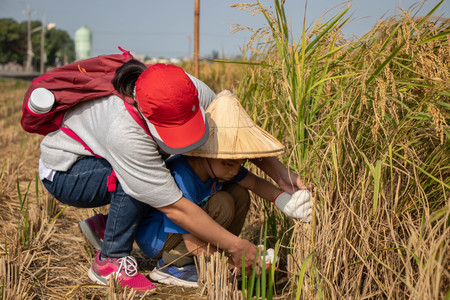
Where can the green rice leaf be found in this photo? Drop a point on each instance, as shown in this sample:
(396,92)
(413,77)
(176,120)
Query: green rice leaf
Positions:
(386,42)
(385,62)
(329,27)
(377,176)
(444,105)
(321,81)
(421,116)
(423,171)
(335,159)
(439,214)
(302,276)
(330,53)
(430,13)
(437,36)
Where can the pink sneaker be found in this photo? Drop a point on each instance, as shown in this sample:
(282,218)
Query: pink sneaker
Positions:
(94,230)
(125,270)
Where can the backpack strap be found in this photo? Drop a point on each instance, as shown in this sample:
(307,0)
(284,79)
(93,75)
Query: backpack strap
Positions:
(111,181)
(130,108)
(137,117)
(73,135)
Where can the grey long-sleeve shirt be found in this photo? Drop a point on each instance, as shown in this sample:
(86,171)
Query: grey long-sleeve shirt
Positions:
(108,129)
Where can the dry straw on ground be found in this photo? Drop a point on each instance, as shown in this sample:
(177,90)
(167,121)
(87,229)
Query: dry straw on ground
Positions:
(367,121)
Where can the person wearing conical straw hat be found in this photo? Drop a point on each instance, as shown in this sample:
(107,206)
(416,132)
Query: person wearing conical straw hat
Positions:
(212,176)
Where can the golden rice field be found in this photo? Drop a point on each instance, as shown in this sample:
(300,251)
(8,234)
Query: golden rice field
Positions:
(367,121)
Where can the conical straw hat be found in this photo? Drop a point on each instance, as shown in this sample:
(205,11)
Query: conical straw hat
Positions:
(233,134)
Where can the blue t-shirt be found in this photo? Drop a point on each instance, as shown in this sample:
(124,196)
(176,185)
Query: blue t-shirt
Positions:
(153,229)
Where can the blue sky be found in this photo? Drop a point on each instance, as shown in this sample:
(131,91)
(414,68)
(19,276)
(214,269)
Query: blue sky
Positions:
(162,28)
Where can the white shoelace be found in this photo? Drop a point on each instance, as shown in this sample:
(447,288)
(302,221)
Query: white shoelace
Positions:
(127,264)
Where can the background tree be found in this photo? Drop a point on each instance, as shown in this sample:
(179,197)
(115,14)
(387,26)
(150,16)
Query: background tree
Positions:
(59,47)
(11,42)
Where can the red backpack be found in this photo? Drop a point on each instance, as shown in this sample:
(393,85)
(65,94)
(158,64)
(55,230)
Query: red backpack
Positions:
(71,84)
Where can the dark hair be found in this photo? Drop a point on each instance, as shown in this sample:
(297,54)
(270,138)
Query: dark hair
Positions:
(126,76)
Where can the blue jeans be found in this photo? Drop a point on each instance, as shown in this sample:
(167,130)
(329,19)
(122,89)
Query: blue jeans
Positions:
(84,185)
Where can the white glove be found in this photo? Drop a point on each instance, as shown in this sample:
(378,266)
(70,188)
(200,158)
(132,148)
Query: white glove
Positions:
(270,253)
(296,205)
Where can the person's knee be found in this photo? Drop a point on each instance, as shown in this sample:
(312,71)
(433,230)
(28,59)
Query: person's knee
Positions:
(240,195)
(83,185)
(221,207)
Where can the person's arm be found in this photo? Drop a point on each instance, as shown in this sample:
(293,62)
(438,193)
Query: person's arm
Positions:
(286,179)
(197,246)
(260,187)
(295,204)
(195,220)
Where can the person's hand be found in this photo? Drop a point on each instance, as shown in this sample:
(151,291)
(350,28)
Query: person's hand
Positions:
(291,183)
(297,205)
(311,188)
(287,184)
(237,253)
(287,180)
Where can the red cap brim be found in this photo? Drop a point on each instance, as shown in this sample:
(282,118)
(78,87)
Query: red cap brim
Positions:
(182,138)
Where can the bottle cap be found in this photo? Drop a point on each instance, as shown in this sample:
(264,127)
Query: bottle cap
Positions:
(41,101)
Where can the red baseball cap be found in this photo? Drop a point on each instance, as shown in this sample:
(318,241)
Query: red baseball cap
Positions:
(168,99)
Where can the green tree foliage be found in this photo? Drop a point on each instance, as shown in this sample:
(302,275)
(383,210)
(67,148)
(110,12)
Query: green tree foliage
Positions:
(59,47)
(12,46)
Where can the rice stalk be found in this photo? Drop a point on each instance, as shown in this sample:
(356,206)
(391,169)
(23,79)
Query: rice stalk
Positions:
(23,227)
(12,284)
(215,278)
(367,122)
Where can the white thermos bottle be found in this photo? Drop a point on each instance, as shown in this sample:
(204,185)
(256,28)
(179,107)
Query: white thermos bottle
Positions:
(41,101)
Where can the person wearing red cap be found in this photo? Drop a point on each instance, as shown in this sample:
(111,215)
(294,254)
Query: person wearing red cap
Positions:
(171,103)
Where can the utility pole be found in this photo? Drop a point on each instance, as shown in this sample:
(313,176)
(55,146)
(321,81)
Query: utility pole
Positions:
(30,53)
(196,39)
(43,54)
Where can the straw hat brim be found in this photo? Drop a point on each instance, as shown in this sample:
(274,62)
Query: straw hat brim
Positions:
(233,134)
